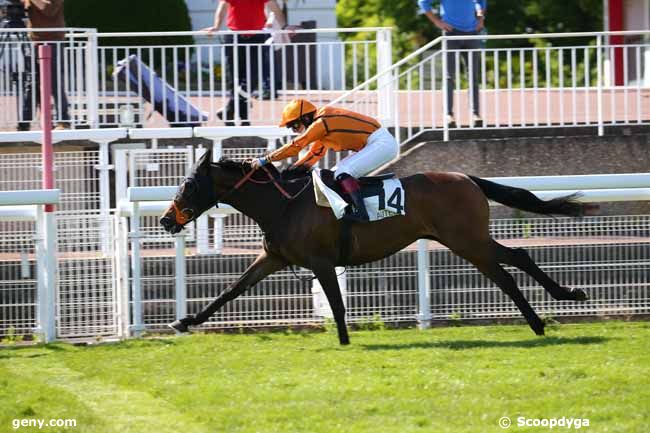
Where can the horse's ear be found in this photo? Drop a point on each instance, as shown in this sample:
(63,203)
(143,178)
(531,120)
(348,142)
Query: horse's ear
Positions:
(204,161)
(206,158)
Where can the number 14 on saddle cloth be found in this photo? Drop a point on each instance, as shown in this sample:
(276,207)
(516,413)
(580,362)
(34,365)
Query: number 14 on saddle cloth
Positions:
(383,198)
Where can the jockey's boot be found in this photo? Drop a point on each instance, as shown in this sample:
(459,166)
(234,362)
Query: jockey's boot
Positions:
(351,187)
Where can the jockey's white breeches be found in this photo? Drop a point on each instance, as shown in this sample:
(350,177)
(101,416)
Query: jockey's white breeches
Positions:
(380,149)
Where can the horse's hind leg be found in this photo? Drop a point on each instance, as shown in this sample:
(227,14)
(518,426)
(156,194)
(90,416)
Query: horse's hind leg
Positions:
(504,280)
(519,258)
(482,256)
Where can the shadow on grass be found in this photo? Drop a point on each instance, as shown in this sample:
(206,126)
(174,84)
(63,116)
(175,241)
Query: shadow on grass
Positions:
(17,351)
(488,344)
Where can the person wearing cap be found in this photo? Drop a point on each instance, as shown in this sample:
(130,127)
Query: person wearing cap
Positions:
(337,129)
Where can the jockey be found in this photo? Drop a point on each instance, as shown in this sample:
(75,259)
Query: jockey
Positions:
(337,129)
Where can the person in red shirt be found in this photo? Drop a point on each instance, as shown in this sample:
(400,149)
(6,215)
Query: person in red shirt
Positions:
(242,15)
(337,129)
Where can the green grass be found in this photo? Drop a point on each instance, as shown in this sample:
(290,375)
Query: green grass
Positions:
(441,380)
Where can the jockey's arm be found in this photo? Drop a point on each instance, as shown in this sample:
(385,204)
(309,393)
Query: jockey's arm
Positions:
(316,152)
(315,132)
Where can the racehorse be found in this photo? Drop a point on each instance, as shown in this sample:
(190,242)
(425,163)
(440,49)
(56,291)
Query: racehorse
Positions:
(450,208)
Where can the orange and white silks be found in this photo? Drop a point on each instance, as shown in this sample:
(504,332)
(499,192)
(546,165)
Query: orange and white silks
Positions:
(333,128)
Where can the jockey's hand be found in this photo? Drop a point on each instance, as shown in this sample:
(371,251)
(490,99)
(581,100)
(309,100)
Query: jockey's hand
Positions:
(258,162)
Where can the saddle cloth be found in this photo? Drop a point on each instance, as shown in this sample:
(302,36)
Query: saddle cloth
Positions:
(384,197)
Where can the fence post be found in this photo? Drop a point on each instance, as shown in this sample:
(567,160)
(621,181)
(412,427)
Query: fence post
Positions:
(137,325)
(92,77)
(424,286)
(121,173)
(385,86)
(49,218)
(202,229)
(599,59)
(41,273)
(104,195)
(235,79)
(445,106)
(181,270)
(121,277)
(217,151)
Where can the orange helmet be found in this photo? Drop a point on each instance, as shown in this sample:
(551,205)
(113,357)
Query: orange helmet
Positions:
(295,109)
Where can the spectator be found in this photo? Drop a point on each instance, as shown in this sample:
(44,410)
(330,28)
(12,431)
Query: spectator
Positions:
(244,15)
(46,14)
(460,18)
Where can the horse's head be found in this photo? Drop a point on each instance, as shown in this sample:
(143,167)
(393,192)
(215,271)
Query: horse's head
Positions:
(198,193)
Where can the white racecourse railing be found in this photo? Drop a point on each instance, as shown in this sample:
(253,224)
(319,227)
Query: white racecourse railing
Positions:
(142,280)
(28,304)
(624,187)
(74,68)
(543,80)
(202,73)
(564,79)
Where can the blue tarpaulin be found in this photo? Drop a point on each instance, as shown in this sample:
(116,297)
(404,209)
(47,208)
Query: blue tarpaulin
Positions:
(165,99)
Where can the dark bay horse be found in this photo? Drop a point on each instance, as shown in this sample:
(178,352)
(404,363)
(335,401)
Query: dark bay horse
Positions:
(451,208)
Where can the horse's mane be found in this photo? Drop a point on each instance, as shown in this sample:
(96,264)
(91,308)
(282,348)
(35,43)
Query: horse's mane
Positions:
(245,166)
(295,172)
(230,163)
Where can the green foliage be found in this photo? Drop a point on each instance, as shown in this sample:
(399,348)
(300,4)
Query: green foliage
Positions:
(374,323)
(11,337)
(411,30)
(136,16)
(131,16)
(530,16)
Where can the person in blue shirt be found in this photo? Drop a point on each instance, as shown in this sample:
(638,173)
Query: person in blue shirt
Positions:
(459,18)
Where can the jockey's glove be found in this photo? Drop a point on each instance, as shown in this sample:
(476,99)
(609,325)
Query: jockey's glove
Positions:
(259,162)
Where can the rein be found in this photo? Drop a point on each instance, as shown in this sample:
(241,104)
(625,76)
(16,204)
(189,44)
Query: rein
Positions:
(271,178)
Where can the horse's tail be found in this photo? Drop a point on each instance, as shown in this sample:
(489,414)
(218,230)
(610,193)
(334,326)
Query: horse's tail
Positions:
(522,199)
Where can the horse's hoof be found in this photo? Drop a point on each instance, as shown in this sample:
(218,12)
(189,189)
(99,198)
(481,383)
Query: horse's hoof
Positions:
(538,327)
(579,295)
(181,326)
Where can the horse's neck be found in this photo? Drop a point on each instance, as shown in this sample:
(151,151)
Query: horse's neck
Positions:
(263,203)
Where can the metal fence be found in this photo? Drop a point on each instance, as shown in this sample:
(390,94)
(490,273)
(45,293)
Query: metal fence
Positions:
(74,77)
(542,80)
(156,79)
(608,257)
(76,175)
(18,278)
(87,304)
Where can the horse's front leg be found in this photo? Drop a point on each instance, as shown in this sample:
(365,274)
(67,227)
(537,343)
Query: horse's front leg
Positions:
(326,275)
(265,264)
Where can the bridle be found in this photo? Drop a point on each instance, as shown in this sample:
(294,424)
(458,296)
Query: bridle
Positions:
(247,176)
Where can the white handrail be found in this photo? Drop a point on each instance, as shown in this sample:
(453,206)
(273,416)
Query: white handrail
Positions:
(577,182)
(230,32)
(30,197)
